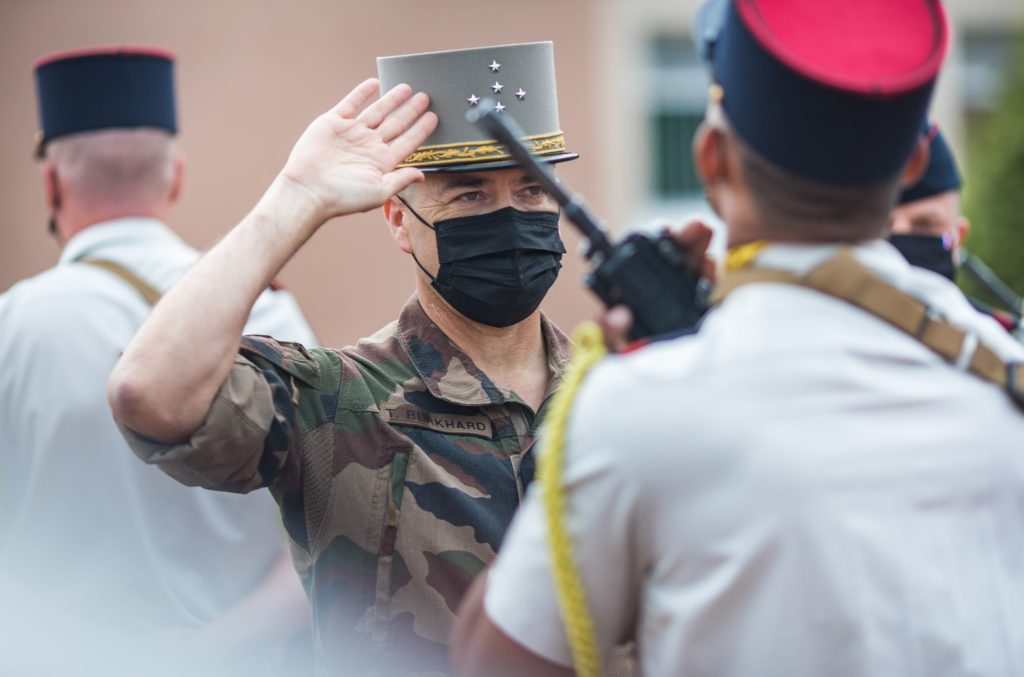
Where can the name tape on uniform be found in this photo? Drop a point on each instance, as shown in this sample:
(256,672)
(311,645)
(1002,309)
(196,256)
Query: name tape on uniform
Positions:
(455,424)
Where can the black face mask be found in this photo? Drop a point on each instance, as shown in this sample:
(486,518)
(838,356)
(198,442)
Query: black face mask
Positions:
(496,268)
(926,251)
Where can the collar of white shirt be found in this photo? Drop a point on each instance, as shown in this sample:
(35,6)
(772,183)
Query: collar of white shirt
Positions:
(120,232)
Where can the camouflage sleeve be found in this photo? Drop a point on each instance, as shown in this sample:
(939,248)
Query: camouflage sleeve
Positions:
(249,437)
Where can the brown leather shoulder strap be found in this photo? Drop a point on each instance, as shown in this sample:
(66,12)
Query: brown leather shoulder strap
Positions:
(744,276)
(150,294)
(846,278)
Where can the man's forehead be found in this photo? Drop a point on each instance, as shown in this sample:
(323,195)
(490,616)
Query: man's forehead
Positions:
(944,207)
(442,181)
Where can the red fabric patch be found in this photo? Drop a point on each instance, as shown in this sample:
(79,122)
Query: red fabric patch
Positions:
(634,346)
(1008,322)
(866,46)
(142,50)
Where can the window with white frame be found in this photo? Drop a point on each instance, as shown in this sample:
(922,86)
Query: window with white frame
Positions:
(678,85)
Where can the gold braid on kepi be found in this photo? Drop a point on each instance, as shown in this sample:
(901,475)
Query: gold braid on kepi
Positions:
(489,150)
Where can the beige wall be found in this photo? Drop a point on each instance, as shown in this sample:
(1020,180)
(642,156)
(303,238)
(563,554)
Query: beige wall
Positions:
(251,74)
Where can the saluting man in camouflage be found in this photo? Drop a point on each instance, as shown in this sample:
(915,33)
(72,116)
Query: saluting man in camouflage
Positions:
(397,463)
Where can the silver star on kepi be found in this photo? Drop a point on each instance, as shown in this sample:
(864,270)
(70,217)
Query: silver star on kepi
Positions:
(495,66)
(498,107)
(497,87)
(473,99)
(520,94)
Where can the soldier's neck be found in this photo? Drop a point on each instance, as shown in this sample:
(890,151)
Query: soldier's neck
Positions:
(72,218)
(513,357)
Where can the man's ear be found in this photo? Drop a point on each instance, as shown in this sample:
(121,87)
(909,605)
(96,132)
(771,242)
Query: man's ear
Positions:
(51,186)
(917,164)
(709,157)
(394,214)
(963,226)
(178,179)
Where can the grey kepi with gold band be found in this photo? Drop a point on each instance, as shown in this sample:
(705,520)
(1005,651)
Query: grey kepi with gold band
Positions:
(519,79)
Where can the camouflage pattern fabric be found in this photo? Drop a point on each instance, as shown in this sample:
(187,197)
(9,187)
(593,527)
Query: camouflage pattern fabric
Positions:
(397,465)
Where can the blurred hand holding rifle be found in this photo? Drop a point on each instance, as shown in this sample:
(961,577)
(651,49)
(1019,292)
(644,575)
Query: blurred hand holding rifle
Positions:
(651,275)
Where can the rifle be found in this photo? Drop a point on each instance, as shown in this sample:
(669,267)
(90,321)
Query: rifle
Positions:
(651,275)
(987,278)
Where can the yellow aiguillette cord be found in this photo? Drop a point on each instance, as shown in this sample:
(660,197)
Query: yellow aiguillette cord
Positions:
(588,350)
(743,255)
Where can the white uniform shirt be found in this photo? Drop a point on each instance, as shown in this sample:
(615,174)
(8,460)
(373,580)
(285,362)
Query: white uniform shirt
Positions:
(83,522)
(797,490)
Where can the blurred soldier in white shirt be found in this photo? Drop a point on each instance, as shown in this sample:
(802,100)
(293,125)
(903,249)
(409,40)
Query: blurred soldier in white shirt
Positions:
(827,478)
(85,528)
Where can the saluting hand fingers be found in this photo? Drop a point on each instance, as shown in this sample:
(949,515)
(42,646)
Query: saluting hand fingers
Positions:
(357,99)
(399,120)
(400,179)
(375,113)
(413,137)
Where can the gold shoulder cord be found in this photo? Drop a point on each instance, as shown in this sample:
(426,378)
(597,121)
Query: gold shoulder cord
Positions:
(588,350)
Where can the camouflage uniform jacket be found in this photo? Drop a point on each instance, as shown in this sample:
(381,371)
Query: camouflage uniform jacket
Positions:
(397,465)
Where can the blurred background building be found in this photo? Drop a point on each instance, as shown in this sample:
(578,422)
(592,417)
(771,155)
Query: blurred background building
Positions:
(252,73)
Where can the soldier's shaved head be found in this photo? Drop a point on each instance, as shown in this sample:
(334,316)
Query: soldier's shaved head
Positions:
(128,168)
(107,174)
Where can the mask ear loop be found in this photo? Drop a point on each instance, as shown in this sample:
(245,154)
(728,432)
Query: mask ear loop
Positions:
(424,222)
(415,213)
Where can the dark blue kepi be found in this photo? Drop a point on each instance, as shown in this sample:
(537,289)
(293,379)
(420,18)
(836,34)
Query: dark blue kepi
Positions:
(942,174)
(830,91)
(103,88)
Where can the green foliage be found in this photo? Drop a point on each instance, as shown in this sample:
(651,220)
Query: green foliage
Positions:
(994,187)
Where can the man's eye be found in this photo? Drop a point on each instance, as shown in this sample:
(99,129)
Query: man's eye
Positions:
(534,191)
(472,196)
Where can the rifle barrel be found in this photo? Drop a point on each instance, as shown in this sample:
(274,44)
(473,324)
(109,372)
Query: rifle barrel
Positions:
(988,279)
(507,132)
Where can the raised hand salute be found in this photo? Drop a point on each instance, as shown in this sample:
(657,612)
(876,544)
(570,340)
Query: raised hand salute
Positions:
(397,462)
(345,160)
(343,163)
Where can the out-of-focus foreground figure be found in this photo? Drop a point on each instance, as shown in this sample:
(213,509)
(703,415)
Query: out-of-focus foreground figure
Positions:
(827,477)
(105,563)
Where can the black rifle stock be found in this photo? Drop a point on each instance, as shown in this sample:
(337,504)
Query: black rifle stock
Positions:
(650,275)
